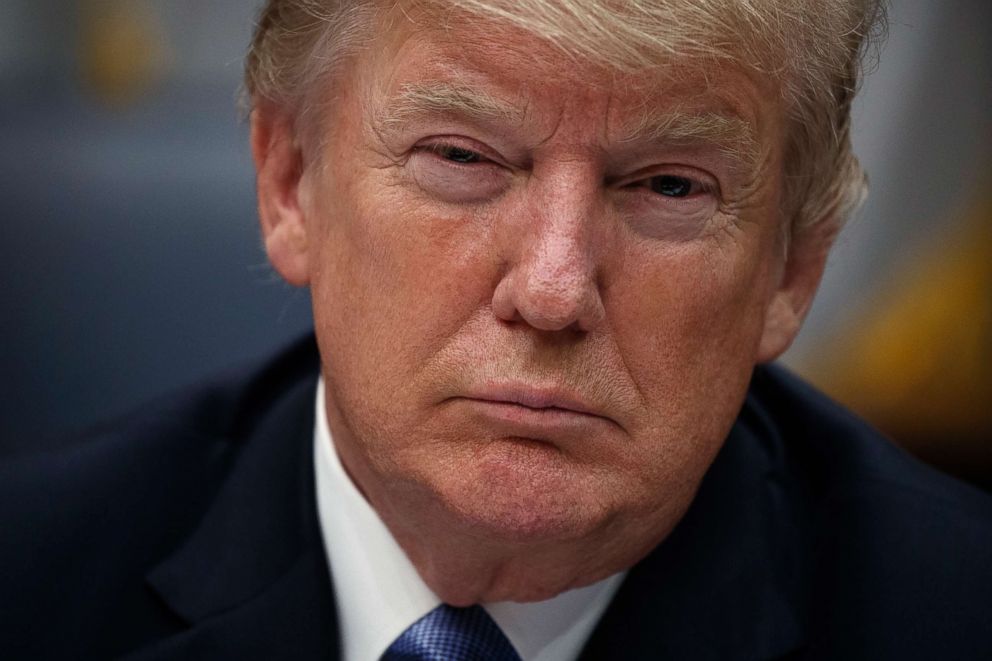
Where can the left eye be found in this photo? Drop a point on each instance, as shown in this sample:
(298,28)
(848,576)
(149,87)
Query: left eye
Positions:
(671,186)
(457,154)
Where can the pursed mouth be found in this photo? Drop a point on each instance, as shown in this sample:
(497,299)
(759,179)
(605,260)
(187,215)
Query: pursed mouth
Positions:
(537,408)
(550,408)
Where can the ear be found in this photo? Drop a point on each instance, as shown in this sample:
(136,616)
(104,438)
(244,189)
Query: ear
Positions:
(279,169)
(805,260)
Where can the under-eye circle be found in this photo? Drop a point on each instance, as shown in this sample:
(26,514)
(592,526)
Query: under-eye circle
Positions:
(457,173)
(670,202)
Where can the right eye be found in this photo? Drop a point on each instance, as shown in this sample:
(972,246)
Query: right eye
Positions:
(457,173)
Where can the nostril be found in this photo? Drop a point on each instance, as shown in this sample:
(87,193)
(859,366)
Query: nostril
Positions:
(552,322)
(504,304)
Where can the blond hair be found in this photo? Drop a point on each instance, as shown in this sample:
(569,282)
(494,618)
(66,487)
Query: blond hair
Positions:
(814,49)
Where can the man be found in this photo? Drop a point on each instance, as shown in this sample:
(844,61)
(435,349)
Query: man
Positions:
(550,247)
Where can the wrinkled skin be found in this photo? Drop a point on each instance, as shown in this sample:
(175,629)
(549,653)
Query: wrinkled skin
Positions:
(535,331)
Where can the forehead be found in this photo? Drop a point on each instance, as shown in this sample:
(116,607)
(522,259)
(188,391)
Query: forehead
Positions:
(487,67)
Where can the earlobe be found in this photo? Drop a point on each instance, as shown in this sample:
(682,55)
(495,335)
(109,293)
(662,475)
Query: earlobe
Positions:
(792,299)
(782,322)
(279,171)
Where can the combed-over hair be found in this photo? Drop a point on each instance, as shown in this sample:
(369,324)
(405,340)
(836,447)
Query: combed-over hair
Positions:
(815,49)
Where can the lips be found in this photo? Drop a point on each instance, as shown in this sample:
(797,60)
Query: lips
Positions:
(534,399)
(541,407)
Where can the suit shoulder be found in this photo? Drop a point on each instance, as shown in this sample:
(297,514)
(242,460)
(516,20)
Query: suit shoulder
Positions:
(889,537)
(109,505)
(839,453)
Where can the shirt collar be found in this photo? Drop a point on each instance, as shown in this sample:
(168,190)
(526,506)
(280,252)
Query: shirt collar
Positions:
(379,592)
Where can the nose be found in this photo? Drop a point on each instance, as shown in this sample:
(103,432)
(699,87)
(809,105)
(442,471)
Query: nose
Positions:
(551,280)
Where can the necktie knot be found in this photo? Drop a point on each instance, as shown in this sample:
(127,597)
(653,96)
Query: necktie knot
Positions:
(452,634)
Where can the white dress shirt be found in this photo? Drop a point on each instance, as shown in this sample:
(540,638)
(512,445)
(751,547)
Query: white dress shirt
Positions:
(379,592)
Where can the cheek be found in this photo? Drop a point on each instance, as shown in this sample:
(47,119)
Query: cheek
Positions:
(689,334)
(395,281)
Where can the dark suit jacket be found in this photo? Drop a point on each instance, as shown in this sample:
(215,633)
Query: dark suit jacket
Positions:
(189,531)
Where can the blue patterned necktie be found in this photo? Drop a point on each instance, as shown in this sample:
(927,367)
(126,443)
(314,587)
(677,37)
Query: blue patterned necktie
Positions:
(452,634)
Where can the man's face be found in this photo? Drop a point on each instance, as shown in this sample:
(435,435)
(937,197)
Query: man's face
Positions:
(539,291)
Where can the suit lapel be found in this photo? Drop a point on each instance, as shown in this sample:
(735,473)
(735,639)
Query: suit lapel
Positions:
(726,584)
(252,581)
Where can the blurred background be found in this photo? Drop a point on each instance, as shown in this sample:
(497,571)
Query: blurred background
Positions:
(130,261)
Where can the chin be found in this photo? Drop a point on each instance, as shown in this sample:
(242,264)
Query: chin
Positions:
(519,520)
(523,492)
(533,522)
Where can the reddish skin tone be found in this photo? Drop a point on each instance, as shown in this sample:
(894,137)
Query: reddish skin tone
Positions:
(454,302)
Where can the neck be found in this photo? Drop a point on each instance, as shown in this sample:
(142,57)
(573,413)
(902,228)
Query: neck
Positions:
(463,565)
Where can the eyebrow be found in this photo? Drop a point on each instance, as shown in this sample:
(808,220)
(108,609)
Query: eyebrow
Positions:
(413,101)
(729,132)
